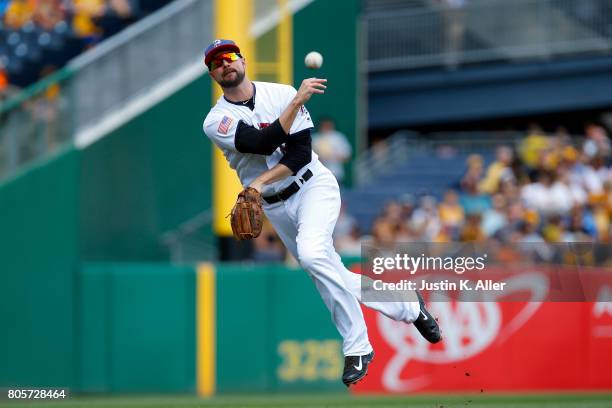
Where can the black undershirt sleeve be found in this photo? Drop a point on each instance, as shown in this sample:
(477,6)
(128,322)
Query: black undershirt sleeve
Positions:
(264,141)
(298,151)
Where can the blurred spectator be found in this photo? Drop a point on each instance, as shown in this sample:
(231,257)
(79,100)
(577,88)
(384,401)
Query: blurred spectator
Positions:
(350,244)
(472,200)
(495,171)
(474,172)
(118,14)
(393,212)
(425,221)
(575,193)
(563,137)
(528,228)
(601,216)
(451,213)
(607,195)
(554,229)
(597,142)
(48,13)
(122,8)
(383,233)
(509,187)
(471,231)
(569,156)
(494,219)
(333,148)
(533,145)
(577,231)
(550,196)
(345,223)
(18,13)
(390,226)
(514,216)
(589,173)
(407,202)
(84,13)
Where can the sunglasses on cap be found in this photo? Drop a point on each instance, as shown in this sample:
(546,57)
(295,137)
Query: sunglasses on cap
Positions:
(227,56)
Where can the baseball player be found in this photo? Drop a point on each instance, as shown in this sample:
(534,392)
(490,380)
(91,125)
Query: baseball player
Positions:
(264,130)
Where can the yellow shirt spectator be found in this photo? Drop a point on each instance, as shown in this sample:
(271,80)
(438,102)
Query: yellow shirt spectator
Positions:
(450,212)
(531,147)
(18,13)
(85,12)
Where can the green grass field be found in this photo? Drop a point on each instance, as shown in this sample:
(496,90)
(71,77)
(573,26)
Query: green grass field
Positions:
(339,401)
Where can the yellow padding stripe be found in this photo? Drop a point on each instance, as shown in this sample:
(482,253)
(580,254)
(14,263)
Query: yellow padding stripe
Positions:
(284,38)
(206,320)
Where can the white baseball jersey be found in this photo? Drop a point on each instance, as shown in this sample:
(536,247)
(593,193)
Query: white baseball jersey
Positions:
(270,101)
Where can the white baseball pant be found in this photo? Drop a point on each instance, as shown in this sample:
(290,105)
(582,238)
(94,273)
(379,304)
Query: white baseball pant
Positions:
(305,223)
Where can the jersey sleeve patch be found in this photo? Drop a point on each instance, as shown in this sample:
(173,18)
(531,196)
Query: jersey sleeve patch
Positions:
(304,112)
(225,125)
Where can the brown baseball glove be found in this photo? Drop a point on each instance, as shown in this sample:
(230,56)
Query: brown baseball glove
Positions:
(247,215)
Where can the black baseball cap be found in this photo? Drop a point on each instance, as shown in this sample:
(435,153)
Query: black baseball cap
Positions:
(218,46)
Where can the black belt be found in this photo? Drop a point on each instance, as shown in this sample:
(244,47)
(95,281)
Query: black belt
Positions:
(289,191)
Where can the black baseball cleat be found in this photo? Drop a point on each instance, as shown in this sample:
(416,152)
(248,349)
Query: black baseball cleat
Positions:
(355,368)
(426,324)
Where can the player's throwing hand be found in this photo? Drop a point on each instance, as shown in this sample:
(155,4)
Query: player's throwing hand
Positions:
(309,87)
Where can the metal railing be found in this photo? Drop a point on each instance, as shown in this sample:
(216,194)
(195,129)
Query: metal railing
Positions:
(126,65)
(36,122)
(385,5)
(191,241)
(382,157)
(486,30)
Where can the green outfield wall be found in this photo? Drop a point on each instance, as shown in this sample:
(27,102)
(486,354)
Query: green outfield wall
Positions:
(133,329)
(136,328)
(274,332)
(39,255)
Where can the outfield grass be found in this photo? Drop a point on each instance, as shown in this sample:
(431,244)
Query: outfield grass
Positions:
(338,401)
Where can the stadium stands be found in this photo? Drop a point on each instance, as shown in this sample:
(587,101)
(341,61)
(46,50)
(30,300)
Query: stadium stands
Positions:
(551,188)
(38,37)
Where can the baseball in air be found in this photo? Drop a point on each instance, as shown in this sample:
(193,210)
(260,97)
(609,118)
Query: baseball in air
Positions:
(313,60)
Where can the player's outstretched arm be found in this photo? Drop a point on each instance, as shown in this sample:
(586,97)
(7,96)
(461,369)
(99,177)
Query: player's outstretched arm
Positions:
(276,173)
(298,155)
(309,87)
